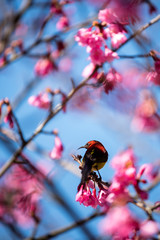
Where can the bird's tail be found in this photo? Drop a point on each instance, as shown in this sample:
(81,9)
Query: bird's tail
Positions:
(85,173)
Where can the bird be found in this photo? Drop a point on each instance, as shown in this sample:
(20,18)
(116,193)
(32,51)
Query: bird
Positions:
(94,159)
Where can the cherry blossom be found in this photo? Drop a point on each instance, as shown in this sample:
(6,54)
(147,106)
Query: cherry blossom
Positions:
(97,56)
(57,151)
(86,197)
(102,196)
(112,79)
(20,202)
(107,15)
(9,119)
(40,101)
(117,39)
(43,67)
(146,117)
(62,23)
(110,55)
(121,217)
(88,70)
(87,37)
(148,229)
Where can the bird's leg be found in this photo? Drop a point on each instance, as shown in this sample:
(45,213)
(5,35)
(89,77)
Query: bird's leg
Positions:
(100,178)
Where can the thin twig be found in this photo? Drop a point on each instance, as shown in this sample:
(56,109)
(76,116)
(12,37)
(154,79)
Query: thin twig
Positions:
(57,109)
(145,207)
(139,31)
(135,56)
(66,229)
(18,127)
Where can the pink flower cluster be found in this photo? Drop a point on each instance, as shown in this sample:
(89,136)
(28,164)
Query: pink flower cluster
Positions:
(121,12)
(88,198)
(20,202)
(110,29)
(62,23)
(121,224)
(126,174)
(115,198)
(109,80)
(57,9)
(154,75)
(44,66)
(146,116)
(40,101)
(112,78)
(96,46)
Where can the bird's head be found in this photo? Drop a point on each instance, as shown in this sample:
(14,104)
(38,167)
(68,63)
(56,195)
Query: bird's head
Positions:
(89,144)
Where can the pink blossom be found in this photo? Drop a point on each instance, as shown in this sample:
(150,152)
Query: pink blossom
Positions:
(91,184)
(147,170)
(141,171)
(117,28)
(148,229)
(88,70)
(107,15)
(142,194)
(117,39)
(57,151)
(125,159)
(119,223)
(97,56)
(9,119)
(83,36)
(43,67)
(146,124)
(112,78)
(56,8)
(127,11)
(153,77)
(157,66)
(20,195)
(118,193)
(102,196)
(85,197)
(40,101)
(87,37)
(62,23)
(110,55)
(124,164)
(94,203)
(65,64)
(146,117)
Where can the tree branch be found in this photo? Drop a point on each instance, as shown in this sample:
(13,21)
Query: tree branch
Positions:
(57,109)
(139,31)
(66,229)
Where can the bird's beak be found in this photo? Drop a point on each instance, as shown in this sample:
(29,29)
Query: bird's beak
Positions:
(81,147)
